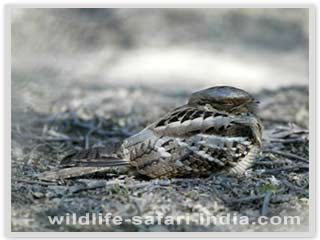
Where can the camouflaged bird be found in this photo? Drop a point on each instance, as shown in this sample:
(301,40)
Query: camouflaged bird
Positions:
(217,130)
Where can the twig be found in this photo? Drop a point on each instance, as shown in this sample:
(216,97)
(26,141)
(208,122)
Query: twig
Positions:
(33,182)
(272,163)
(60,139)
(78,188)
(292,140)
(289,155)
(246,199)
(265,205)
(276,170)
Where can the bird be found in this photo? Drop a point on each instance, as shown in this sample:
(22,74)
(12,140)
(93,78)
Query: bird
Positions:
(216,131)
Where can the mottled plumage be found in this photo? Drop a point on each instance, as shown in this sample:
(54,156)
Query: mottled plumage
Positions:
(217,130)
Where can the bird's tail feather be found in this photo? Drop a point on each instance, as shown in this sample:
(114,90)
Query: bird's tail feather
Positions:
(94,157)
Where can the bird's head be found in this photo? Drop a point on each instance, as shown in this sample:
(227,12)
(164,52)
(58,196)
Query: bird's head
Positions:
(224,98)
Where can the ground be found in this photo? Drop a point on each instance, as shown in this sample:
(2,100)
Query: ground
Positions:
(107,116)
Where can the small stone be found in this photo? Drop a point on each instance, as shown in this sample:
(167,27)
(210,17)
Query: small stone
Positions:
(38,194)
(305,200)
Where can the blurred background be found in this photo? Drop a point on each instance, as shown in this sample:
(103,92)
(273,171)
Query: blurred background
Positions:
(56,50)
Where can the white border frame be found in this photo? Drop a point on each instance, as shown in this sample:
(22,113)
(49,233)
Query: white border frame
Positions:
(312,126)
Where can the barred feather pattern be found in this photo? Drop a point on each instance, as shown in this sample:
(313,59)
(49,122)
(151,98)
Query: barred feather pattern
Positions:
(189,142)
(216,131)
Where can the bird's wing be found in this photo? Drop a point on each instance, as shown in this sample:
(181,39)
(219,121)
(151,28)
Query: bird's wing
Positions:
(188,121)
(234,153)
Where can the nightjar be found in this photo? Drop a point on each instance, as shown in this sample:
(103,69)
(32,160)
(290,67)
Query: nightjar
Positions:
(216,131)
